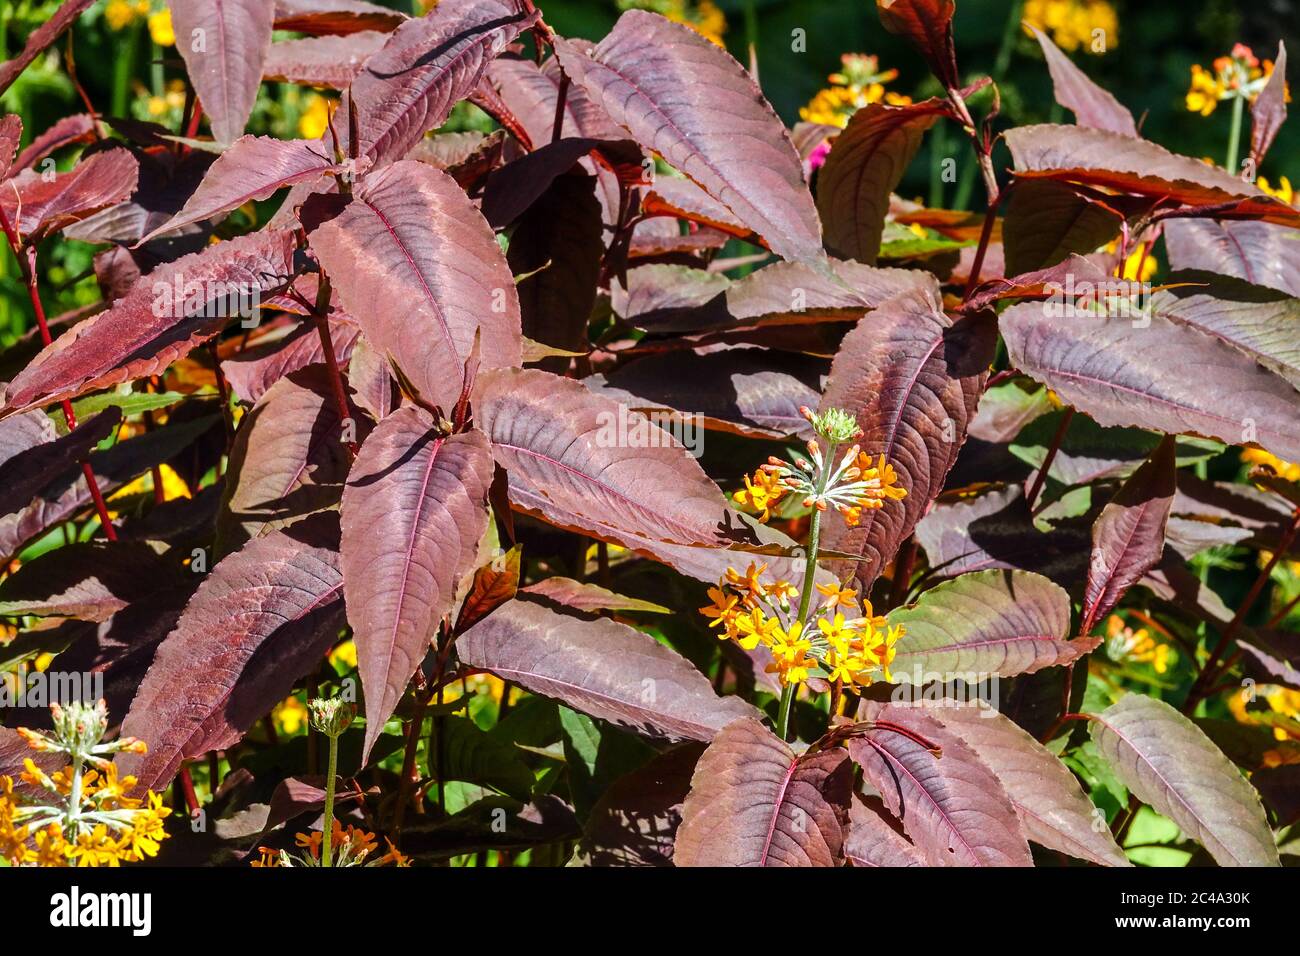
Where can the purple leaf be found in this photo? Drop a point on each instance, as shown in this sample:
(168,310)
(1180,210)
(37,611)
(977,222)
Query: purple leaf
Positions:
(603,668)
(1168,762)
(928,25)
(1129,536)
(253,371)
(913,379)
(953,806)
(1259,252)
(224,44)
(687,100)
(77,128)
(427,66)
(872,841)
(341,17)
(1268,109)
(414,510)
(411,235)
(262,618)
(583,596)
(36,206)
(11,134)
(90,580)
(26,471)
(1054,811)
(754,802)
(252,168)
(328,61)
(180,306)
(1092,106)
(865,165)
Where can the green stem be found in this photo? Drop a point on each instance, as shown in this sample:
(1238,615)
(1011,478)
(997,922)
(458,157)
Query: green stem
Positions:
(326,849)
(809,580)
(1234,135)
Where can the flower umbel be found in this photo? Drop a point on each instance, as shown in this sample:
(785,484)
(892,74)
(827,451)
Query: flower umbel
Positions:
(85,817)
(1238,75)
(859,82)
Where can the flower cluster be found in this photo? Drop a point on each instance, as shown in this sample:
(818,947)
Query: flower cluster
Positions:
(1139,647)
(853,483)
(86,817)
(352,847)
(1074,23)
(753,611)
(120,14)
(1240,74)
(859,82)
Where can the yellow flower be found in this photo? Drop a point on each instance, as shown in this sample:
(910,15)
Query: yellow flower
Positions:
(119,14)
(859,83)
(1073,23)
(1289,471)
(160,28)
(1123,643)
(1204,92)
(50,847)
(1139,265)
(872,485)
(761,493)
(837,596)
(1283,191)
(1240,74)
(290,715)
(315,117)
(96,847)
(344,656)
(722,610)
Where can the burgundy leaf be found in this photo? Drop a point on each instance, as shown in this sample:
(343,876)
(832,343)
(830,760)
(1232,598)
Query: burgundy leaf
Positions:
(1092,106)
(252,168)
(40,38)
(865,165)
(985,622)
(1152,373)
(1258,252)
(928,25)
(689,101)
(584,596)
(224,44)
(1268,109)
(90,580)
(411,235)
(371,382)
(288,460)
(427,66)
(1100,158)
(516,186)
(603,668)
(254,370)
(635,821)
(493,584)
(913,379)
(1048,221)
(872,841)
(1054,811)
(341,17)
(260,620)
(180,306)
(328,61)
(1129,536)
(682,199)
(414,510)
(37,206)
(77,128)
(754,802)
(11,134)
(26,471)
(1168,762)
(953,806)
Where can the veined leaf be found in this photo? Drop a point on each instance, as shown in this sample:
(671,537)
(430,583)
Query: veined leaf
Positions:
(1169,763)
(224,44)
(584,596)
(414,510)
(985,622)
(723,135)
(872,841)
(1258,252)
(328,61)
(26,471)
(262,618)
(1092,106)
(602,668)
(927,24)
(410,234)
(754,802)
(1268,109)
(37,206)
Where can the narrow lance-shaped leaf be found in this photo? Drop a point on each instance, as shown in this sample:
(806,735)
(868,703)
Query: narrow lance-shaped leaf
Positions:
(37,206)
(1054,811)
(952,805)
(864,166)
(183,304)
(913,378)
(693,104)
(27,471)
(1268,109)
(754,802)
(411,235)
(1092,106)
(224,44)
(427,66)
(987,623)
(252,168)
(1149,372)
(1129,536)
(90,580)
(414,509)
(928,25)
(603,668)
(1168,762)
(261,619)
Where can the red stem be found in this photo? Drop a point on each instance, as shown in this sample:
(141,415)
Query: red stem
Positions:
(1041,477)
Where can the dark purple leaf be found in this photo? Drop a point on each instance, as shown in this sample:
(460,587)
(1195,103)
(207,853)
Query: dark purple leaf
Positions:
(26,471)
(1258,252)
(341,17)
(583,596)
(224,44)
(414,510)
(871,840)
(1092,106)
(37,206)
(928,25)
(1268,109)
(754,802)
(253,371)
(327,61)
(90,580)
(77,128)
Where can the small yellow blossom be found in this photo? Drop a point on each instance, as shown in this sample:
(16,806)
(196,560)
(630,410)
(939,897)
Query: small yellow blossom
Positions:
(1283,191)
(160,27)
(1138,266)
(1123,643)
(1240,74)
(315,117)
(344,656)
(1075,23)
(1258,457)
(859,83)
(761,493)
(290,715)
